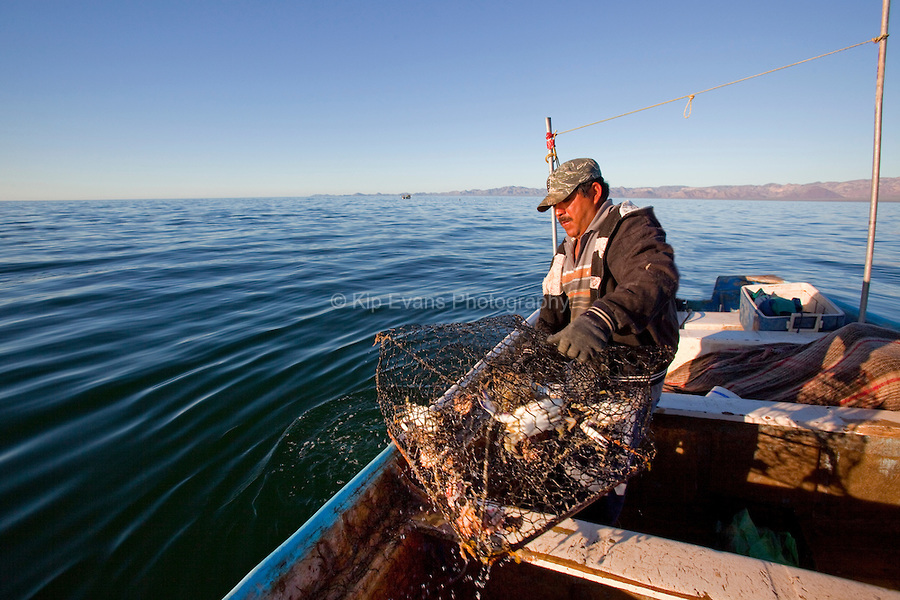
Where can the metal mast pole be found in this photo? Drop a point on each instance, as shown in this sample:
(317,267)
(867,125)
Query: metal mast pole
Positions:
(551,160)
(876,161)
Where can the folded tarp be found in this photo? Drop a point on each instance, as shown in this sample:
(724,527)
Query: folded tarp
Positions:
(856,365)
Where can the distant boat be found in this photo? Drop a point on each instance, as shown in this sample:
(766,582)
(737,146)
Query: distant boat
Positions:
(405,197)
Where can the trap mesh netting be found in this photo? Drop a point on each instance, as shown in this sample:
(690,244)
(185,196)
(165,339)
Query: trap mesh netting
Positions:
(506,435)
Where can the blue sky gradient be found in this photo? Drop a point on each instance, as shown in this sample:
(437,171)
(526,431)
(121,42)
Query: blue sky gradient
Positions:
(227,98)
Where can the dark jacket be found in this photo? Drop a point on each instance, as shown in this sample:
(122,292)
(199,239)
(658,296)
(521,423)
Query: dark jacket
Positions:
(633,283)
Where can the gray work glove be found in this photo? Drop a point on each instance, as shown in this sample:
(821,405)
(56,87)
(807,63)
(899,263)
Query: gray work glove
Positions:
(581,339)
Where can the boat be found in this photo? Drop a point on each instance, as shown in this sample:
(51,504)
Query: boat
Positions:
(744,498)
(824,478)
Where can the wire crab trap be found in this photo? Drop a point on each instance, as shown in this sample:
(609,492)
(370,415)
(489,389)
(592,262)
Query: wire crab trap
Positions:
(506,436)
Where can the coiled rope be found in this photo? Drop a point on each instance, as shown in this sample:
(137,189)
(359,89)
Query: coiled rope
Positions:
(690,97)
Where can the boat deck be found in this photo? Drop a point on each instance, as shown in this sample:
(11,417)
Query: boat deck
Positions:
(712,331)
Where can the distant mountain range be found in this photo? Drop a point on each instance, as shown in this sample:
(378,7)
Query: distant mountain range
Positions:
(860,189)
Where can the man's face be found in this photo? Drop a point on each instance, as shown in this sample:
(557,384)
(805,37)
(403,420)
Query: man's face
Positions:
(577,211)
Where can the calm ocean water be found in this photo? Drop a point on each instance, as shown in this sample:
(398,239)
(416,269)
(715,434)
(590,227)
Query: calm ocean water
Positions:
(184,382)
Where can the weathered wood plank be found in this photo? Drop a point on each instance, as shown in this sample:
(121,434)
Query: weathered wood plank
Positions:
(861,421)
(655,567)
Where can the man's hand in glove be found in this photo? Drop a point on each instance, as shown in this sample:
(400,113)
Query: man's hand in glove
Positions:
(581,339)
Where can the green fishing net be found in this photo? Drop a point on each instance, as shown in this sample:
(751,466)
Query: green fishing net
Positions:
(505,435)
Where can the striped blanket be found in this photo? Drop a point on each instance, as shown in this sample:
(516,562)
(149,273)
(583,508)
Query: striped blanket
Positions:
(857,365)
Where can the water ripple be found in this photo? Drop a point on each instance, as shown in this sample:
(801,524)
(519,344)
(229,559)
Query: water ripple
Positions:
(179,389)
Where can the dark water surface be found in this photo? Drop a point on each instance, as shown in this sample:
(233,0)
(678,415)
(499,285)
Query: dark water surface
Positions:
(184,382)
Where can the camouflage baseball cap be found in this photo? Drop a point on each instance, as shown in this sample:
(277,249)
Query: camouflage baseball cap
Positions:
(568,176)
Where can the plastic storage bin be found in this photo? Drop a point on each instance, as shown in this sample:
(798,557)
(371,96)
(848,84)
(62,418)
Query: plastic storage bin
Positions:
(819,314)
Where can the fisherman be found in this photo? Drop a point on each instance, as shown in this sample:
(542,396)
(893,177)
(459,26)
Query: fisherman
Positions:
(613,279)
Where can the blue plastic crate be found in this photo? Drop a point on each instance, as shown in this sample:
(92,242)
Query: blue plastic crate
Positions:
(818,312)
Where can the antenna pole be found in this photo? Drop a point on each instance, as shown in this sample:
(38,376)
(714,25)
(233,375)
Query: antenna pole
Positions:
(552,161)
(876,161)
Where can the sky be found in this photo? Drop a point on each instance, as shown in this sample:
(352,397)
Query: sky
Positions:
(228,98)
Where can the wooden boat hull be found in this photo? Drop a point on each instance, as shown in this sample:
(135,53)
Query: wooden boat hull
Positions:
(828,476)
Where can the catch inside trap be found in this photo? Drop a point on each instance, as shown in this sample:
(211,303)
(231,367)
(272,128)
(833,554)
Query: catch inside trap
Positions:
(504,434)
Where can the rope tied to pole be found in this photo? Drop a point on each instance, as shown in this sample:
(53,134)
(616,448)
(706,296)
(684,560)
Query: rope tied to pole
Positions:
(690,97)
(551,157)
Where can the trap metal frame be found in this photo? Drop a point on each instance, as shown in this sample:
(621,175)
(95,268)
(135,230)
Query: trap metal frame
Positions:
(506,436)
